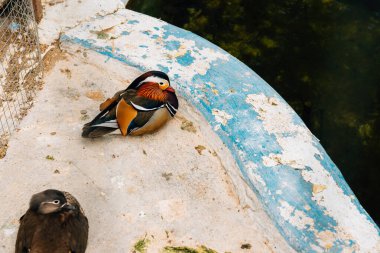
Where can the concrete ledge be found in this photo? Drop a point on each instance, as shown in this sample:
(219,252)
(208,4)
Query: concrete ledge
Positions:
(171,187)
(283,163)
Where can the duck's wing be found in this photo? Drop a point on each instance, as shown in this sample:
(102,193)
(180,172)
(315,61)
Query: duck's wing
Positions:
(109,101)
(134,111)
(78,230)
(146,109)
(25,233)
(77,227)
(126,111)
(106,122)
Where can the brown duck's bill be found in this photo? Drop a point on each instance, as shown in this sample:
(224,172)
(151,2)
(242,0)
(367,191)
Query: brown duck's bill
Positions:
(67,207)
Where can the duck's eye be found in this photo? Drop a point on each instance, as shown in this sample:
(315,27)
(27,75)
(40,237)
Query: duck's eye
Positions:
(56,202)
(161,83)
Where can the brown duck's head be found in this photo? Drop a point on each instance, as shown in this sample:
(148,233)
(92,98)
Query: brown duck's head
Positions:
(50,201)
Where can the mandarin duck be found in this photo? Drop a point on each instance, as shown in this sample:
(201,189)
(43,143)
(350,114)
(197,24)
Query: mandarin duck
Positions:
(54,223)
(146,105)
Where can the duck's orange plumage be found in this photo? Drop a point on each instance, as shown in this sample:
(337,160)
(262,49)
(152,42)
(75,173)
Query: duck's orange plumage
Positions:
(146,105)
(152,91)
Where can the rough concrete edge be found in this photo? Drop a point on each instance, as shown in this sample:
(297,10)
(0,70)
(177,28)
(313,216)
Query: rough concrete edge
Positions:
(50,28)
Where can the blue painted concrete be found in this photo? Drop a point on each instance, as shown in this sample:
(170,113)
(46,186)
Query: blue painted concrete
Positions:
(245,134)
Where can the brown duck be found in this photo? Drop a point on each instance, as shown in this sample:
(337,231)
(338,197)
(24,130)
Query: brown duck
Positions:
(54,223)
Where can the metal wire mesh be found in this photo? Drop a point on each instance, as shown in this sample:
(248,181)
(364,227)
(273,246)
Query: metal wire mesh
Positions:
(20,63)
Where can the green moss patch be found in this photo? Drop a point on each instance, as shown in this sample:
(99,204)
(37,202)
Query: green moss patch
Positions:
(141,246)
(181,249)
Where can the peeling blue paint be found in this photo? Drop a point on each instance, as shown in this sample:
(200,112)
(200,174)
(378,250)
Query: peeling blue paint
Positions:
(172,45)
(185,60)
(133,22)
(163,68)
(240,134)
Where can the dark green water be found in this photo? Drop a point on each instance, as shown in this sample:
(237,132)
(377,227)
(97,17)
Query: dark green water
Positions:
(322,56)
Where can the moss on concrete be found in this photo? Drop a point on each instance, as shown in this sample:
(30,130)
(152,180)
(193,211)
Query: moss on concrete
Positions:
(141,245)
(182,249)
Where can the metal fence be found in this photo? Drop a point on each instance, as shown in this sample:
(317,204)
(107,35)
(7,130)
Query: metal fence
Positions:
(20,63)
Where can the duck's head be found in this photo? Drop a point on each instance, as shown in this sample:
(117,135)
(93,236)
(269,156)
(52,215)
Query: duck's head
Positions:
(156,78)
(50,201)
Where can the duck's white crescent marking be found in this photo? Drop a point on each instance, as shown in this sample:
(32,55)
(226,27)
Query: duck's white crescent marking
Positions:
(140,108)
(153,79)
(111,124)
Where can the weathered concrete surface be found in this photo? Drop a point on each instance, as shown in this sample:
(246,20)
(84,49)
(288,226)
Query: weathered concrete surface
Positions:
(301,188)
(157,186)
(60,15)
